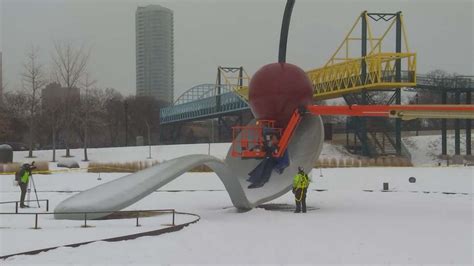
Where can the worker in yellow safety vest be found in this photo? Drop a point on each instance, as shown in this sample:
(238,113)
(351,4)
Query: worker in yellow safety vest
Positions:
(300,187)
(23,177)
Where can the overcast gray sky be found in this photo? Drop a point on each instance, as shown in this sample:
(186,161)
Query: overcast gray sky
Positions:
(227,32)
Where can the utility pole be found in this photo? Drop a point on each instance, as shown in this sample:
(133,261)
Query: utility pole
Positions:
(125,105)
(417,122)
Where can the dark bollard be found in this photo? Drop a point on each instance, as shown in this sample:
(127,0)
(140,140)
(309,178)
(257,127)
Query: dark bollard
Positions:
(85,220)
(173,216)
(36,221)
(6,153)
(385,186)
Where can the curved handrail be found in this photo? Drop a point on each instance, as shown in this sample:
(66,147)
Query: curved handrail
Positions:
(16,202)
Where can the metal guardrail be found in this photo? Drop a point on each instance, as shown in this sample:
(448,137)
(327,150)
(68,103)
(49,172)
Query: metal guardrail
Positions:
(136,212)
(16,203)
(462,83)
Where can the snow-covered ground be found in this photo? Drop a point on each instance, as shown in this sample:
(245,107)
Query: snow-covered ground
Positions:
(350,220)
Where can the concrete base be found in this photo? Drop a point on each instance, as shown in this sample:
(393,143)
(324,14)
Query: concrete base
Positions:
(469,158)
(443,157)
(457,159)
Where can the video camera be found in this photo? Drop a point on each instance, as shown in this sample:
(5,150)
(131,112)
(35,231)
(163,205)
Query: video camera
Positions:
(29,167)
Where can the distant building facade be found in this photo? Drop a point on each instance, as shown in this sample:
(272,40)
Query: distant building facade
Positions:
(154,52)
(1,78)
(53,94)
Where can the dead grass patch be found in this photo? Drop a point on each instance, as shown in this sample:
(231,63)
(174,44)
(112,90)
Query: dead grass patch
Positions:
(42,167)
(364,162)
(201,169)
(126,167)
(132,167)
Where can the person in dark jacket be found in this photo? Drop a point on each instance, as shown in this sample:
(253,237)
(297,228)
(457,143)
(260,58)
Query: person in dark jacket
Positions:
(300,187)
(24,178)
(261,174)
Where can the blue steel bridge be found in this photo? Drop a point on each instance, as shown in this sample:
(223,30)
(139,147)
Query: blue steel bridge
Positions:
(202,102)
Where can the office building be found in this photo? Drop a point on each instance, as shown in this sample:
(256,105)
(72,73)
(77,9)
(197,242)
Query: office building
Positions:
(154,52)
(1,78)
(53,95)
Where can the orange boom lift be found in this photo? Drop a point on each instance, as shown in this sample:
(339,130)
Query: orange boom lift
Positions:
(254,140)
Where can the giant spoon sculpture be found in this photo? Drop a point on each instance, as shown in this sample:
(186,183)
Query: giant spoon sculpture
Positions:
(275,91)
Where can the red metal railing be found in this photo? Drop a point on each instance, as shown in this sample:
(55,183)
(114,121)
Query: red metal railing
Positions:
(251,143)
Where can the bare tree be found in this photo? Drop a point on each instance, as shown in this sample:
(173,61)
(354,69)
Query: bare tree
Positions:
(114,115)
(15,108)
(144,116)
(3,88)
(70,65)
(5,126)
(439,77)
(15,104)
(33,80)
(53,119)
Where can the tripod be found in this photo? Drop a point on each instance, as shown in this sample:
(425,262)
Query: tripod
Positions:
(34,188)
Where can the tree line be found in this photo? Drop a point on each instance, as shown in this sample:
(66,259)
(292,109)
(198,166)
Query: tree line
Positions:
(96,117)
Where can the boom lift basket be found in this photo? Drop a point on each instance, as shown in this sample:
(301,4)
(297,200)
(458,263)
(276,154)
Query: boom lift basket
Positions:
(253,139)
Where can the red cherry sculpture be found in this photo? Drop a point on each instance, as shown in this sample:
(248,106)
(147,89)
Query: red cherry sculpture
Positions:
(276,90)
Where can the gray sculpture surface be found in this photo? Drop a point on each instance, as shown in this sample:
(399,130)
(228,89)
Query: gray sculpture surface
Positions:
(303,149)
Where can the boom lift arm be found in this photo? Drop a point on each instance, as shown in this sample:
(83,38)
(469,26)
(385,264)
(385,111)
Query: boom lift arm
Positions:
(405,112)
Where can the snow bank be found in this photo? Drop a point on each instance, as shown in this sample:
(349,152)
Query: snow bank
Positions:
(425,150)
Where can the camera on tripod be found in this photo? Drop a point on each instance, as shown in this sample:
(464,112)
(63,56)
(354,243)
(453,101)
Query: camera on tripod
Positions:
(30,167)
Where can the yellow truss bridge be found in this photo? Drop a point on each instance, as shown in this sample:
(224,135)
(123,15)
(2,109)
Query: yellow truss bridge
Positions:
(372,68)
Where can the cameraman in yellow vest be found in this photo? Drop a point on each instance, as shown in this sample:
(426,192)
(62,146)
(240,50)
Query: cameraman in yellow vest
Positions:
(23,177)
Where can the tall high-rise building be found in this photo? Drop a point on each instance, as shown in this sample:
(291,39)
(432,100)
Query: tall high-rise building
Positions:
(154,52)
